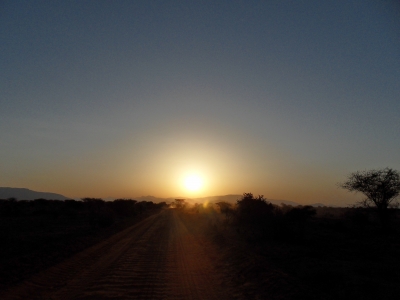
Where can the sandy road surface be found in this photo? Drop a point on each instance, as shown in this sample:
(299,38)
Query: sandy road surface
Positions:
(155,259)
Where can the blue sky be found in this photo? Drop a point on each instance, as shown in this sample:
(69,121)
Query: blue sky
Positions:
(125,98)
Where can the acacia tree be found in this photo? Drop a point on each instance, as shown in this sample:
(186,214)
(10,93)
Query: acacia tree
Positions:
(381,188)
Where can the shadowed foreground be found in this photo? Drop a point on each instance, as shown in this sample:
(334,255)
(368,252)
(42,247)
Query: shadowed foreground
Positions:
(155,259)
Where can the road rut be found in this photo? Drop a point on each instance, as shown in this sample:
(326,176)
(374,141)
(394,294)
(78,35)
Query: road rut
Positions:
(157,258)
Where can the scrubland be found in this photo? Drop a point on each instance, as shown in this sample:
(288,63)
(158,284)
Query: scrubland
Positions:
(271,252)
(252,249)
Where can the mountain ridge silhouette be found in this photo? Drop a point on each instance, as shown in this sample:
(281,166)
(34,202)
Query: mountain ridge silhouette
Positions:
(27,194)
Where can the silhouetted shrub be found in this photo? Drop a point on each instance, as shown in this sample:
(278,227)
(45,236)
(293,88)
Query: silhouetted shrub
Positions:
(301,214)
(291,222)
(73,204)
(255,215)
(162,205)
(94,205)
(253,210)
(226,209)
(358,216)
(124,207)
(180,203)
(105,220)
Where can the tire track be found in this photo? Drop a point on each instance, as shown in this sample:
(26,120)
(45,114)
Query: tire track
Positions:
(140,273)
(155,259)
(80,269)
(191,275)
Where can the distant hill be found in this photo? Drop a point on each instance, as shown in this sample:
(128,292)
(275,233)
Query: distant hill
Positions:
(26,194)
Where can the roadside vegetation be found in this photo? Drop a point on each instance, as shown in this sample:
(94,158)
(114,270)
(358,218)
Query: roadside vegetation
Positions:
(264,251)
(35,235)
(285,252)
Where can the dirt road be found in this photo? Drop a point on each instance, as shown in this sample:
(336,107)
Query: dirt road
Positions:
(155,259)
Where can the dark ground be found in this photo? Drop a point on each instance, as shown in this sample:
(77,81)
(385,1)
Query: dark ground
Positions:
(335,254)
(38,234)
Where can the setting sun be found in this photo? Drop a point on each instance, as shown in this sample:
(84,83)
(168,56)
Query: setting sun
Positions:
(193,182)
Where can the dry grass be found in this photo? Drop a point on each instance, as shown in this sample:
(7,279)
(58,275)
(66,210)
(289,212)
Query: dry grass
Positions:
(338,255)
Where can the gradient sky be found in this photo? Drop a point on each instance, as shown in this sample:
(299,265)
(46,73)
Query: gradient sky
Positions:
(124,98)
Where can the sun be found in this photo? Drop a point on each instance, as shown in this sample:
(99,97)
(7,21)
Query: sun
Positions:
(193,182)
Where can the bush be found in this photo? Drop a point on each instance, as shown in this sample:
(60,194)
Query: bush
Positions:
(253,210)
(301,214)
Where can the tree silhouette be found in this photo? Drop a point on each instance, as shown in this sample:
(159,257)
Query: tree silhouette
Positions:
(381,187)
(254,211)
(301,214)
(180,203)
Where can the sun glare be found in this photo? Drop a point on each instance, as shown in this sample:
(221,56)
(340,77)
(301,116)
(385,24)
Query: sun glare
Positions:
(193,182)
